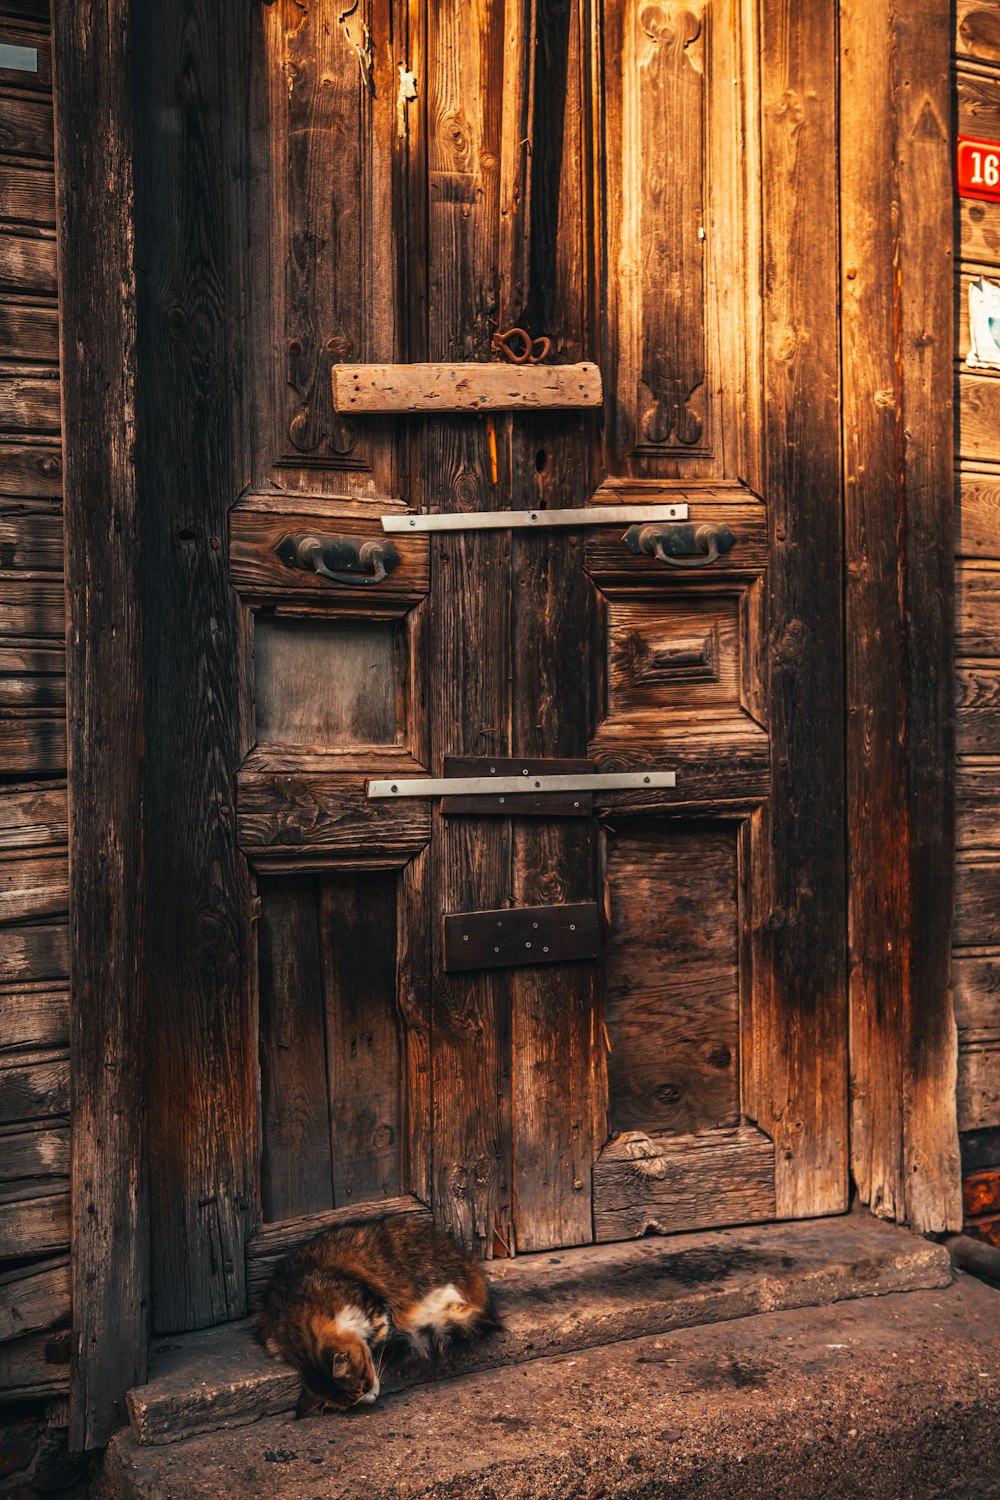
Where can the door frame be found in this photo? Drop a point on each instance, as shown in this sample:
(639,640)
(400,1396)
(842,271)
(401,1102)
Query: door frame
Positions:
(898,321)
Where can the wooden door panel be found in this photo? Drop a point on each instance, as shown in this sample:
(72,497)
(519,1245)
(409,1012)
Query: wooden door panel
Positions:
(296,1171)
(680,332)
(258,524)
(331,1076)
(327,682)
(672,977)
(325,270)
(317,816)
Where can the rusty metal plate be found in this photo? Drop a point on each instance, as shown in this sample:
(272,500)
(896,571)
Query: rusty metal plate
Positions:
(521,935)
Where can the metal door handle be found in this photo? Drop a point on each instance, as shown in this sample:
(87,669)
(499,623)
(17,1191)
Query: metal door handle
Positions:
(682,546)
(343,559)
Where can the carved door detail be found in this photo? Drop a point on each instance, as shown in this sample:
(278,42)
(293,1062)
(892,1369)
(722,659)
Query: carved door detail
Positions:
(425,178)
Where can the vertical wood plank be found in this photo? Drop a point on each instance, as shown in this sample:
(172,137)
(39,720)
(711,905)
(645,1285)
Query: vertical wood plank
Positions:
(415,933)
(192,61)
(296,1169)
(557,1038)
(110,1275)
(801,964)
(931,1161)
(358,954)
(469,693)
(896,226)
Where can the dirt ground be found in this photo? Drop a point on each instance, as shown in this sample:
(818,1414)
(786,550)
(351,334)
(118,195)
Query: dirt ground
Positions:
(895,1397)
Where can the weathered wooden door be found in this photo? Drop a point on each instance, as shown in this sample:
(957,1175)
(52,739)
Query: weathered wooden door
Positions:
(613,178)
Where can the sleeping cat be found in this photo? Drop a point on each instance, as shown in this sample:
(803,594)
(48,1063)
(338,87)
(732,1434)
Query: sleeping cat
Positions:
(332,1307)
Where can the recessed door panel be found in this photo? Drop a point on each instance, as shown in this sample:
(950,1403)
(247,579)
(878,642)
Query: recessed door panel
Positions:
(672,978)
(330,1043)
(326,682)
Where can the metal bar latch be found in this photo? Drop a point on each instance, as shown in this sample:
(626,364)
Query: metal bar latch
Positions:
(515,786)
(535,520)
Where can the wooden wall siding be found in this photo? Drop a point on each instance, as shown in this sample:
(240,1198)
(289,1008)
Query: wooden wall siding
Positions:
(896,238)
(976,82)
(34,869)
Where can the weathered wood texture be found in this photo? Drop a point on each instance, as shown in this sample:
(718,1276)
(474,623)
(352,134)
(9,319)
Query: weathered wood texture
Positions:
(896,242)
(191,231)
(34,1012)
(326,683)
(678,156)
(32,815)
(34,1226)
(979,1086)
(33,1085)
(257,571)
(34,1152)
(665,1183)
(672,991)
(105,696)
(34,1298)
(327,270)
(357,917)
(977,31)
(469,687)
(328,816)
(332,1105)
(462,387)
(797,1087)
(295,1121)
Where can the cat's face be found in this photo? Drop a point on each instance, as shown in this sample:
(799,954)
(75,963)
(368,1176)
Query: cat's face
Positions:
(343,1376)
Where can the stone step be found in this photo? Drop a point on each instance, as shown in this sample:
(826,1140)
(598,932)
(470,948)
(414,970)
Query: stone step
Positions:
(560,1302)
(881,1397)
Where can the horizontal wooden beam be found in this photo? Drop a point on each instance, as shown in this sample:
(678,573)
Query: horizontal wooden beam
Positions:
(464,387)
(666,1183)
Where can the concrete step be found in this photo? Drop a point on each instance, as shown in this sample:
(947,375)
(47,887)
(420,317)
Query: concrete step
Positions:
(895,1398)
(567,1301)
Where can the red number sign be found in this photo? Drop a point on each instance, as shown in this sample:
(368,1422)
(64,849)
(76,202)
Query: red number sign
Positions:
(978,168)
